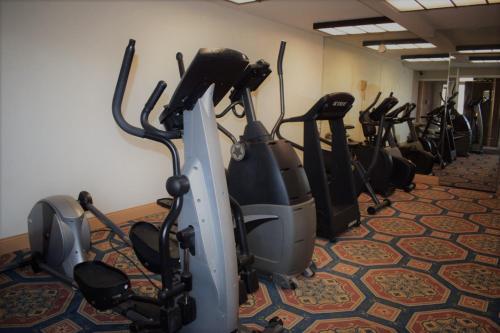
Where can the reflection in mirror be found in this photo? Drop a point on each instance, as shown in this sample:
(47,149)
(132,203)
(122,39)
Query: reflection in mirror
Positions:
(470,146)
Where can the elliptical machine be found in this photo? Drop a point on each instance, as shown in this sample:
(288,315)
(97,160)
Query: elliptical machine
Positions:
(59,233)
(439,128)
(463,132)
(387,171)
(277,205)
(422,160)
(476,117)
(203,295)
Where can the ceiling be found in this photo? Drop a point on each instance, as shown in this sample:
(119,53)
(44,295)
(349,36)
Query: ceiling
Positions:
(446,28)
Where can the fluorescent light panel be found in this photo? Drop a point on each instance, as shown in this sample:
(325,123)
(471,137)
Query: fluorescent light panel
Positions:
(391,27)
(433,4)
(485,60)
(413,5)
(241,2)
(489,48)
(426,57)
(399,44)
(358,26)
(461,3)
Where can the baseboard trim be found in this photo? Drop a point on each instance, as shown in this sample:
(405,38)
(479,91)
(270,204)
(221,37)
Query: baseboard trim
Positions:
(20,242)
(426,179)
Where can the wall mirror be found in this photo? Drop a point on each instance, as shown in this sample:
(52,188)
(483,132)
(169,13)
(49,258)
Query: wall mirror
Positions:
(470,145)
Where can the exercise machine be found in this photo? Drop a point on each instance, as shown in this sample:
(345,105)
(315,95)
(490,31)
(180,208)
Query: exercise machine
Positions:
(462,131)
(387,171)
(423,161)
(336,201)
(439,129)
(334,192)
(202,295)
(283,247)
(278,207)
(476,117)
(59,233)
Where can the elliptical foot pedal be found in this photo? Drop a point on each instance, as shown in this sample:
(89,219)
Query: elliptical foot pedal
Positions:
(165,202)
(145,238)
(102,285)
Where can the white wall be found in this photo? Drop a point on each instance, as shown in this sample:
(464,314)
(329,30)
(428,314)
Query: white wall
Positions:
(59,63)
(345,66)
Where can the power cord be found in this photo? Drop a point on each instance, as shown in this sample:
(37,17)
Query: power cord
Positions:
(125,255)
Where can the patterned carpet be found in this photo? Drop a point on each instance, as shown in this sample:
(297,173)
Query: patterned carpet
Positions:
(476,172)
(429,264)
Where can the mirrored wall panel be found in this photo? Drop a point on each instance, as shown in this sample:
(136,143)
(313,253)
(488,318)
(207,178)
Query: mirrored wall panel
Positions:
(469,135)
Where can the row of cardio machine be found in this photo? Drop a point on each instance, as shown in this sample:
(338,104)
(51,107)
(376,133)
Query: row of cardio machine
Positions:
(225,226)
(446,133)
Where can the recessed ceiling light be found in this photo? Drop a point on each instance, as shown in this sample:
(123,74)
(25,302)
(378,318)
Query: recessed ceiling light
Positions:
(399,44)
(425,45)
(413,5)
(485,60)
(358,26)
(426,57)
(333,31)
(408,46)
(405,5)
(433,4)
(487,48)
(370,28)
(391,27)
(352,30)
(469,2)
(241,2)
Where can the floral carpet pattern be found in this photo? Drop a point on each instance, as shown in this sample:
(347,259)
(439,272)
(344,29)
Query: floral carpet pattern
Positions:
(476,172)
(430,263)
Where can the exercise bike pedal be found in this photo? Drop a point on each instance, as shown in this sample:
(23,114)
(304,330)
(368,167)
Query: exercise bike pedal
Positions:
(102,285)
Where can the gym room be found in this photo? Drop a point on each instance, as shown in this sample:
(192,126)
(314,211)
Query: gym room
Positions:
(251,166)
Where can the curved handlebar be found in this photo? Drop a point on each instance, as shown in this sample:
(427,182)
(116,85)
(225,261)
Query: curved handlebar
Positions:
(148,107)
(121,84)
(455,94)
(147,130)
(281,55)
(180,63)
(374,102)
